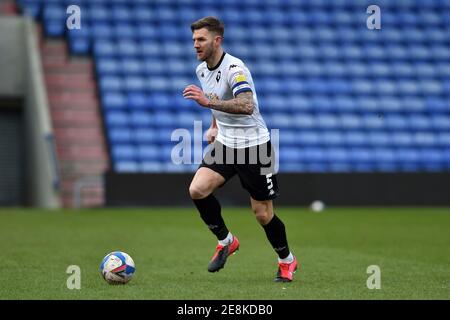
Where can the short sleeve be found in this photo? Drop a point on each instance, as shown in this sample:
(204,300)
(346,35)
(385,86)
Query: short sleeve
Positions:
(237,80)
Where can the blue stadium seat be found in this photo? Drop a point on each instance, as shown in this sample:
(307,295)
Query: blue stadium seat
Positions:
(164,119)
(273,104)
(373,122)
(408,158)
(279,121)
(141,119)
(425,139)
(107,66)
(303,121)
(113,100)
(350,122)
(124,152)
(164,15)
(293,85)
(131,66)
(289,155)
(152,66)
(159,101)
(441,122)
(125,30)
(120,135)
(313,155)
(389,103)
(288,138)
(297,103)
(148,152)
(99,12)
(360,155)
(128,48)
(395,122)
(137,100)
(343,103)
(413,104)
(437,105)
(327,121)
(122,13)
(31,8)
(355,138)
(150,49)
(134,83)
(143,15)
(432,159)
(144,33)
(443,139)
(79,46)
(185,119)
(308,138)
(401,69)
(54,12)
(104,48)
(378,139)
(385,160)
(101,30)
(145,135)
(111,83)
(126,166)
(337,156)
(401,139)
(158,84)
(332,138)
(151,166)
(54,27)
(117,118)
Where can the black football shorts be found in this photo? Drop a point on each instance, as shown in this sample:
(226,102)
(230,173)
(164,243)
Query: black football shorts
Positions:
(255,167)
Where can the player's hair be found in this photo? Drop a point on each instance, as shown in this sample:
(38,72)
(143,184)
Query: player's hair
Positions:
(212,24)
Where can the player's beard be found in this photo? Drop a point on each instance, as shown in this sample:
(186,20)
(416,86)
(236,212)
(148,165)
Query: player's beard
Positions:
(208,52)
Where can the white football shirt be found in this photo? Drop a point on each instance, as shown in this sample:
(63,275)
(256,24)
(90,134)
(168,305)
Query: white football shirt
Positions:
(225,81)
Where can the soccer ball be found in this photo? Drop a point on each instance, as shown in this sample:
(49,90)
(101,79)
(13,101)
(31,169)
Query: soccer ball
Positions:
(317,206)
(117,267)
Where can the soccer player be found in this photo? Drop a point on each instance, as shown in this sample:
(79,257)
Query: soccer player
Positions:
(239,134)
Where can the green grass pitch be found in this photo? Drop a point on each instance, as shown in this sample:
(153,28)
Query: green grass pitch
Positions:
(172,247)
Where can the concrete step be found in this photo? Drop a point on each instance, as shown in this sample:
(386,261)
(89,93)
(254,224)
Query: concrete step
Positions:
(79,136)
(72,99)
(80,153)
(76,169)
(57,82)
(75,117)
(68,66)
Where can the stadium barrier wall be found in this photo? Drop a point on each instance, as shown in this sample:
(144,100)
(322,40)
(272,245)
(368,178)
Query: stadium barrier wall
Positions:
(296,189)
(12,56)
(42,163)
(12,88)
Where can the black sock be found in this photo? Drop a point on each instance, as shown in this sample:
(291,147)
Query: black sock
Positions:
(209,209)
(276,233)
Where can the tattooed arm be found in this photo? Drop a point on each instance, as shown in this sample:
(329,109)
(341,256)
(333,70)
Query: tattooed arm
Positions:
(242,104)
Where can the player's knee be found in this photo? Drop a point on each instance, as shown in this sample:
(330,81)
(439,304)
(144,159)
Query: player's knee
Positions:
(262,214)
(197,192)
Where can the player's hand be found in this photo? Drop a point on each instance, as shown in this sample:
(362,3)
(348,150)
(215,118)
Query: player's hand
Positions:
(211,134)
(195,93)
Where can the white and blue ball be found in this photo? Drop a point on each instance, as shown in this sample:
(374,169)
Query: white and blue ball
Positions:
(117,267)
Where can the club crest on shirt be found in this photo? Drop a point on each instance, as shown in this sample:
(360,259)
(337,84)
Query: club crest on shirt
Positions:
(219,74)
